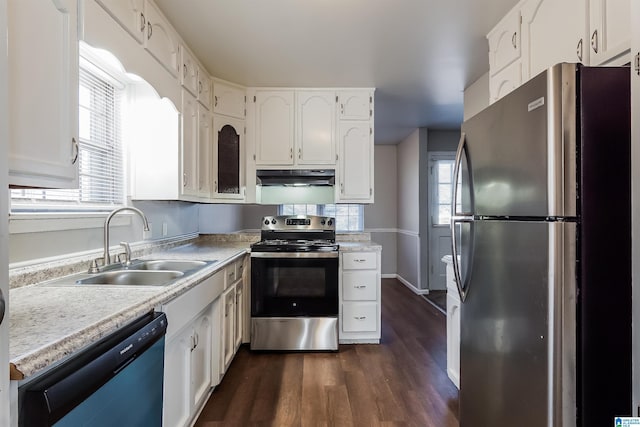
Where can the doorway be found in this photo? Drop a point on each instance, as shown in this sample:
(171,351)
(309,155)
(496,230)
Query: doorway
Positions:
(441,165)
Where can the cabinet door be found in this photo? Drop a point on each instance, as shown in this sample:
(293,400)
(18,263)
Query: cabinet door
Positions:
(316,127)
(42,38)
(228,158)
(177,387)
(610,29)
(229,100)
(228,343)
(205,149)
(504,42)
(201,358)
(239,315)
(355,105)
(360,317)
(204,88)
(356,162)
(161,41)
(550,36)
(189,71)
(505,81)
(129,14)
(274,127)
(189,144)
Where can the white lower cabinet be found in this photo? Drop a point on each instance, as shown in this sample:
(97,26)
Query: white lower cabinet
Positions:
(228,337)
(232,316)
(359,290)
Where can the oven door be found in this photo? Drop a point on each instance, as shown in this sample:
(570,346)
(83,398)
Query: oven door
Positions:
(294,284)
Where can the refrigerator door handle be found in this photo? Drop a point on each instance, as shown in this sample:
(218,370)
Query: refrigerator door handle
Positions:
(457,217)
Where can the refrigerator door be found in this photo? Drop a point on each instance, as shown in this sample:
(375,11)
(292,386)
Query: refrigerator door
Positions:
(517,349)
(522,149)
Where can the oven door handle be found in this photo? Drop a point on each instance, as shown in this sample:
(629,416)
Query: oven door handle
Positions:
(331,254)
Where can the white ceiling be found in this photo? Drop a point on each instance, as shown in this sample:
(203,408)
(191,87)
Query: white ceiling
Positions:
(418,54)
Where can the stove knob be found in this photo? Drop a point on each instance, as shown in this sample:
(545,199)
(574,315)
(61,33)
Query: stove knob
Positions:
(323,222)
(330,223)
(266,222)
(273,221)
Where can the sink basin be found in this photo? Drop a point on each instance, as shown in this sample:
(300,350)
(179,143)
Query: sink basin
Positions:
(175,265)
(132,278)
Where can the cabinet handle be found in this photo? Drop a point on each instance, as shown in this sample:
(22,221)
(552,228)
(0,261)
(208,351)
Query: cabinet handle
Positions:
(291,153)
(341,188)
(149,30)
(359,260)
(359,317)
(143,23)
(594,41)
(215,100)
(199,88)
(342,109)
(359,286)
(197,339)
(579,50)
(184,179)
(184,70)
(637,63)
(76,150)
(215,186)
(514,40)
(299,153)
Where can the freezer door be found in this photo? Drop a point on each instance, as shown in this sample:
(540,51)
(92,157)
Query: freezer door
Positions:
(521,150)
(517,349)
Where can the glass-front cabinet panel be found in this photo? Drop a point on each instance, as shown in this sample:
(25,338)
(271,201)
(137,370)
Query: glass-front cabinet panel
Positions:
(228,155)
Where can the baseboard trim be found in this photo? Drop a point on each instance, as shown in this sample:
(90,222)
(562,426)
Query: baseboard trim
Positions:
(411,286)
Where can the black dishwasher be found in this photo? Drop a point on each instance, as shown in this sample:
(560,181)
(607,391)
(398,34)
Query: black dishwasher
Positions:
(116,381)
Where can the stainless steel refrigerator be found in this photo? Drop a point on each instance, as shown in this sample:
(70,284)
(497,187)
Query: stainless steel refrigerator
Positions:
(542,253)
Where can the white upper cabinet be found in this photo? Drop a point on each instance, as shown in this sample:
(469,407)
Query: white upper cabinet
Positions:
(205,150)
(316,127)
(189,145)
(43,122)
(229,100)
(188,71)
(129,14)
(274,132)
(610,29)
(355,105)
(505,81)
(204,88)
(160,39)
(504,42)
(356,163)
(550,37)
(228,158)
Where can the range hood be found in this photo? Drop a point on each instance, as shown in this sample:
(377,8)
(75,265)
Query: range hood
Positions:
(284,186)
(295,177)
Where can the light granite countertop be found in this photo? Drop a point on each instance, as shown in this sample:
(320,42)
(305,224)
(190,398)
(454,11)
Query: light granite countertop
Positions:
(49,321)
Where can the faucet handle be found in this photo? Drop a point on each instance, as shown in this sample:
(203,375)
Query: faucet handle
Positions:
(94,267)
(127,253)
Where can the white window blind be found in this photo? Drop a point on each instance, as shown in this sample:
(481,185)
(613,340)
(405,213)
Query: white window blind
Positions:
(349,217)
(100,157)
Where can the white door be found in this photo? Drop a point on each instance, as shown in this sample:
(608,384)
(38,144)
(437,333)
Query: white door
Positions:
(440,190)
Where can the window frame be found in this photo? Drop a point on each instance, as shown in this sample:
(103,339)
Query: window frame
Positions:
(320,211)
(434,159)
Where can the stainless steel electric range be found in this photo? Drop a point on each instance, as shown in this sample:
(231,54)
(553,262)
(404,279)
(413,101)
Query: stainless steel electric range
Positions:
(294,284)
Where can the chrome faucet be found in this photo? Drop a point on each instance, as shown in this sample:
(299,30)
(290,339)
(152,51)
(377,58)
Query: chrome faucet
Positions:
(107,258)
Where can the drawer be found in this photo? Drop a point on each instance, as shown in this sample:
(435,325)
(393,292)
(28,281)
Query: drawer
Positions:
(359,261)
(360,317)
(181,310)
(231,273)
(360,285)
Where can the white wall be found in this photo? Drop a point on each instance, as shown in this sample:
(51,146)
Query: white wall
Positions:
(181,218)
(476,96)
(220,218)
(381,218)
(408,255)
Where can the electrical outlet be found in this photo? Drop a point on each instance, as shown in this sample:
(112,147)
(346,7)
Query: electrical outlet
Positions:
(165,229)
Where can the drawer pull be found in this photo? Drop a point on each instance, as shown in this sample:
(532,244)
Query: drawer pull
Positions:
(359,286)
(359,317)
(359,260)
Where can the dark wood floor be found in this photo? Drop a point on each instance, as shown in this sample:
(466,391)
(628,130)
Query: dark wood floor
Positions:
(402,382)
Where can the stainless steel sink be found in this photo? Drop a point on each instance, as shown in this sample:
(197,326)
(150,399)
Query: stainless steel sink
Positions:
(175,265)
(132,278)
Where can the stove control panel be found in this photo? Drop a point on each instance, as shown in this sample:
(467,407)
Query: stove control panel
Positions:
(298,223)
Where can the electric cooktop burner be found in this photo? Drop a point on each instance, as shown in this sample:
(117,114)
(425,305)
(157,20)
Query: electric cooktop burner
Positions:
(297,233)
